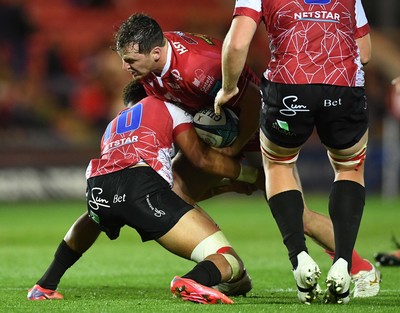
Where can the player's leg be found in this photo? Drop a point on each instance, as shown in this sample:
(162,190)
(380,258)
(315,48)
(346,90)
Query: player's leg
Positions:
(79,238)
(286,203)
(82,234)
(319,228)
(200,228)
(191,184)
(346,205)
(365,276)
(217,262)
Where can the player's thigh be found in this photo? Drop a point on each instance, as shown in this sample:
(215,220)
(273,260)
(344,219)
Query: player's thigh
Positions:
(82,234)
(353,149)
(188,232)
(190,182)
(342,123)
(271,150)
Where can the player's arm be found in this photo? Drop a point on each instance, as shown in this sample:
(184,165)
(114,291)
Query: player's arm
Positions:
(209,160)
(362,33)
(228,185)
(364,45)
(234,53)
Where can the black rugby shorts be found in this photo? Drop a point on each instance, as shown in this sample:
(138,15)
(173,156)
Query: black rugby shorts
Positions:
(138,197)
(290,113)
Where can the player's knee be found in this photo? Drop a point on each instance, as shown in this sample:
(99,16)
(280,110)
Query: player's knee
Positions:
(218,244)
(348,162)
(279,158)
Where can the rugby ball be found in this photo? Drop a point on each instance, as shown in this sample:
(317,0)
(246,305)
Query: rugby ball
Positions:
(217,130)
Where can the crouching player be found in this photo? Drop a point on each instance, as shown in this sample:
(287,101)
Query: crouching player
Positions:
(131,185)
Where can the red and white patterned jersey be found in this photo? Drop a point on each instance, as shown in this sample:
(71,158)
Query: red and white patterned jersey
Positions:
(311,41)
(142,133)
(192,74)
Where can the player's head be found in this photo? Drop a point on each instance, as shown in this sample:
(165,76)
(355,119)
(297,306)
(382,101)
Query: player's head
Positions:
(133,93)
(139,41)
(141,30)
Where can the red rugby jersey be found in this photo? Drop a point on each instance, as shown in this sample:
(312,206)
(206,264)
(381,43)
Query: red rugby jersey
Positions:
(311,41)
(144,132)
(192,74)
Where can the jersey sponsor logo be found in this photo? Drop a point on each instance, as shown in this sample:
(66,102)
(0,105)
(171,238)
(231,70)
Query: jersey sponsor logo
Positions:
(332,103)
(283,124)
(186,38)
(157,212)
(292,107)
(317,1)
(282,127)
(118,199)
(94,216)
(180,48)
(207,39)
(97,202)
(207,84)
(199,77)
(196,82)
(120,142)
(318,16)
(176,74)
(192,41)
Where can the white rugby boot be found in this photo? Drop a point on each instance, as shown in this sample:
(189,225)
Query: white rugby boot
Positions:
(366,283)
(338,283)
(306,276)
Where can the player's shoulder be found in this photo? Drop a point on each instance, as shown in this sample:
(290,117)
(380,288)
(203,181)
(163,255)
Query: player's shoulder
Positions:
(192,41)
(151,104)
(193,55)
(178,114)
(155,104)
(150,99)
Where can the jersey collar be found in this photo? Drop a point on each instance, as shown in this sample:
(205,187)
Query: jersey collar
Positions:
(168,61)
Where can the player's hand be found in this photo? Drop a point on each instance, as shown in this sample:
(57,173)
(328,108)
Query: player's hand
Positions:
(223,97)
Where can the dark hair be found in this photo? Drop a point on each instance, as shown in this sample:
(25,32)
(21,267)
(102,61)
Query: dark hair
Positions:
(139,29)
(133,92)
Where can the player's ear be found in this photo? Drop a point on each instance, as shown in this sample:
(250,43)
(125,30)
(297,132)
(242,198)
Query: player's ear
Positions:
(156,53)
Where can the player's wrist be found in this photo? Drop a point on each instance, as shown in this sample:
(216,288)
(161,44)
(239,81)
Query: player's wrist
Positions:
(230,90)
(247,174)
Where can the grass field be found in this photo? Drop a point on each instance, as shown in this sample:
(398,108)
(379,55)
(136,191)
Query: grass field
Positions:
(128,276)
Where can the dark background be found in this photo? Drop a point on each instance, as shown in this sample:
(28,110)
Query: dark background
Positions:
(60,84)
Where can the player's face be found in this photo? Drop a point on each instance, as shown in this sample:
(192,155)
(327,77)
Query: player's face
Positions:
(138,64)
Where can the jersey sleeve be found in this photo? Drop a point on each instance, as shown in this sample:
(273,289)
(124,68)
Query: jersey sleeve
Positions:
(250,8)
(362,26)
(182,120)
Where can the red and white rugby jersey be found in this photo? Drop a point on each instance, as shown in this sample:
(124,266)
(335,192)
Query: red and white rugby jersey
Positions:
(192,74)
(144,132)
(311,41)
